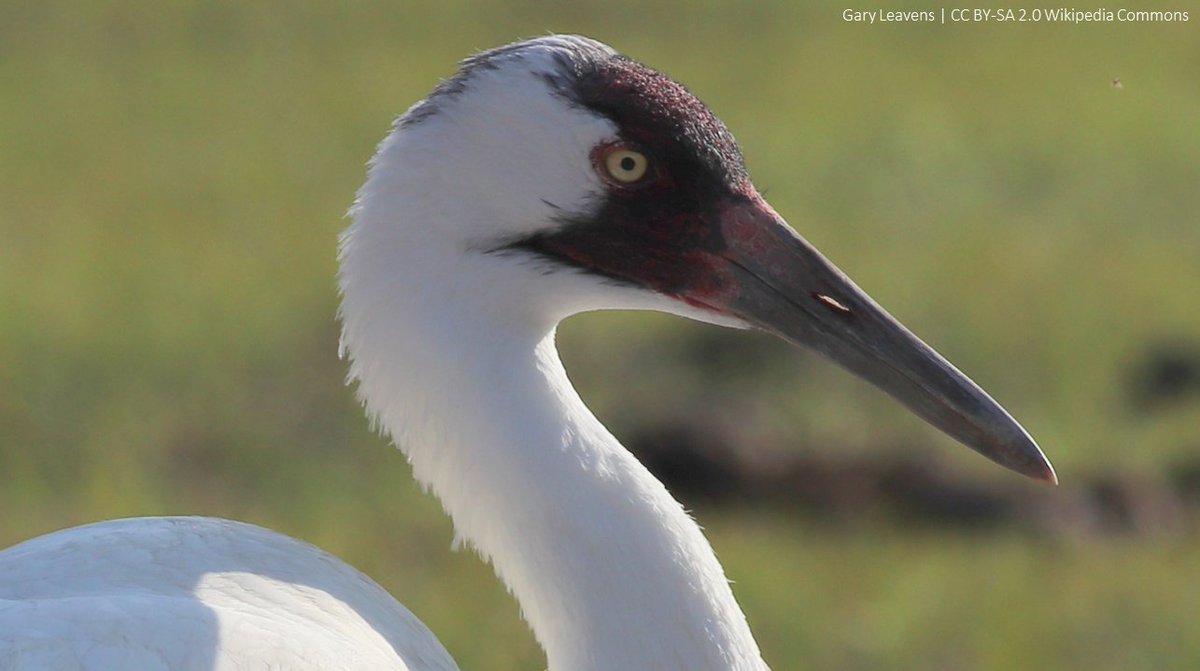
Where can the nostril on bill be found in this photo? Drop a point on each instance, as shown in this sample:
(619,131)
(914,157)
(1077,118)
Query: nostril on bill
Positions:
(834,305)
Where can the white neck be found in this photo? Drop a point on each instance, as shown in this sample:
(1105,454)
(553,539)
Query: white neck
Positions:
(610,572)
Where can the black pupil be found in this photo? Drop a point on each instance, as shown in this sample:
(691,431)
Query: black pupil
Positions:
(628,163)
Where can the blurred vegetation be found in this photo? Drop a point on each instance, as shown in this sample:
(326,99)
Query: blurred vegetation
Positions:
(173,176)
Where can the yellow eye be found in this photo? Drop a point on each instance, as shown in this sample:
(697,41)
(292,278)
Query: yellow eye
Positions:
(626,165)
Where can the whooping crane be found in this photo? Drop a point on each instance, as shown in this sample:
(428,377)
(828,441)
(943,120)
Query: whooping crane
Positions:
(546,178)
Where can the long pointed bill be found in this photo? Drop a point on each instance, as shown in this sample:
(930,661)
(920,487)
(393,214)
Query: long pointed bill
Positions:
(776,281)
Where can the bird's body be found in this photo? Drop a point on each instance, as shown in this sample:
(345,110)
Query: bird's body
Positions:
(547,178)
(195,593)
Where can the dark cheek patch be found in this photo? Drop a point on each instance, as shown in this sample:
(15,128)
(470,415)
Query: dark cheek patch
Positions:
(714,287)
(669,252)
(684,275)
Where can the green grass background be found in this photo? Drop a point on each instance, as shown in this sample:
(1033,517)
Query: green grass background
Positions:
(173,176)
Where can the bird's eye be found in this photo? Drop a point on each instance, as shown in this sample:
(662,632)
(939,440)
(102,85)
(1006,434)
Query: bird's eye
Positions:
(624,165)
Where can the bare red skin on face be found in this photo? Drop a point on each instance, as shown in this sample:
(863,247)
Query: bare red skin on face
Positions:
(745,227)
(668,231)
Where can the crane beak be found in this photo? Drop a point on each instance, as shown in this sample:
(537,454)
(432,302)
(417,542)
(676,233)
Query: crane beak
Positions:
(776,281)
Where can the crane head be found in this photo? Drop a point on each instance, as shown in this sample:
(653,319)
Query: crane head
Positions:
(581,180)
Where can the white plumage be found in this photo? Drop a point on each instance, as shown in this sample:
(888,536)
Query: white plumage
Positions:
(491,212)
(175,593)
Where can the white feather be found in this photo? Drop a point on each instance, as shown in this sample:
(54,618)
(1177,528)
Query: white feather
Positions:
(197,593)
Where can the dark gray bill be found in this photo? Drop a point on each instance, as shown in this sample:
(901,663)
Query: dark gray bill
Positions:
(779,283)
